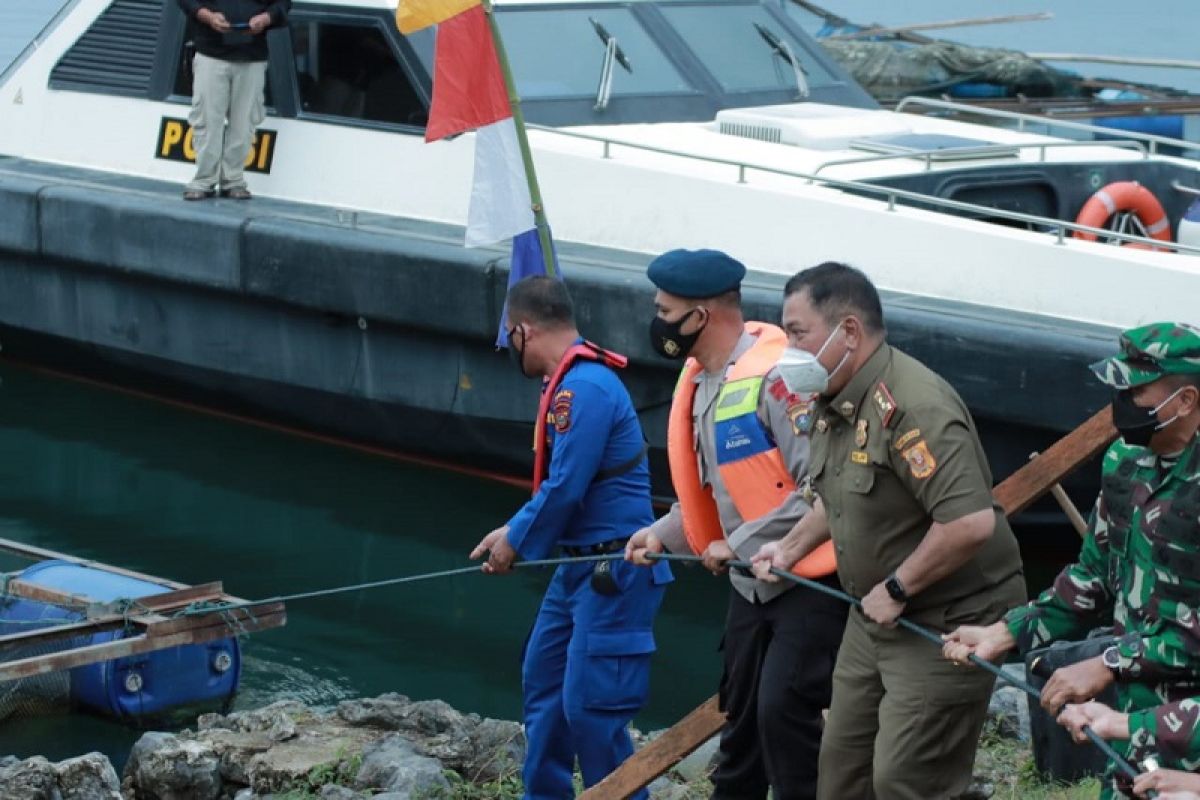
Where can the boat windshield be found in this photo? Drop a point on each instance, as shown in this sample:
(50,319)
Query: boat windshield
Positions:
(734,43)
(557,53)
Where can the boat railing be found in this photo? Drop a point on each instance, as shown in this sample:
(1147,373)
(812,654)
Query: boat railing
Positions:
(1153,141)
(891,195)
(930,157)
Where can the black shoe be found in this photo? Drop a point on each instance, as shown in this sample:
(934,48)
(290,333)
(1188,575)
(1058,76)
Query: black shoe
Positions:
(240,193)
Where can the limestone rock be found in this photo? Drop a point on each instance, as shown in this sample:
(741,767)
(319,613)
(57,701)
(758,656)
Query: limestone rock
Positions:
(166,767)
(1008,709)
(89,777)
(291,762)
(334,792)
(497,747)
(388,711)
(699,763)
(393,764)
(31,779)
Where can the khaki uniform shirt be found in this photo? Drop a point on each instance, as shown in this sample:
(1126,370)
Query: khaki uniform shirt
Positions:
(893,453)
(787,418)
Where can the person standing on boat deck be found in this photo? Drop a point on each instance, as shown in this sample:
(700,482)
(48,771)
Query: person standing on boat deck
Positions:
(1140,563)
(740,440)
(586,667)
(228,76)
(904,491)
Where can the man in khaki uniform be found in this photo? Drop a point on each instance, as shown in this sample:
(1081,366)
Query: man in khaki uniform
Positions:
(904,490)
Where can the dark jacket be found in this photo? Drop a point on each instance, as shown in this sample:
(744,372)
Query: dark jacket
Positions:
(238,44)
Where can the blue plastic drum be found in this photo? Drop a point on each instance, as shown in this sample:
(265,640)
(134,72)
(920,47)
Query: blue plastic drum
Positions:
(140,685)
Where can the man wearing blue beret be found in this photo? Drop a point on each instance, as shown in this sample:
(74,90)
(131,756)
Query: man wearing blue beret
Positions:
(738,450)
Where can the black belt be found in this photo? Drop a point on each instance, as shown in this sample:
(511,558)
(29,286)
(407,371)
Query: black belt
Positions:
(603,548)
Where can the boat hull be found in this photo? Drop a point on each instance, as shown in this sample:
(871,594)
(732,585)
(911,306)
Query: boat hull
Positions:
(382,332)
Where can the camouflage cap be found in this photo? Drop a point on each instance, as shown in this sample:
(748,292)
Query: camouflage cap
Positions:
(1151,352)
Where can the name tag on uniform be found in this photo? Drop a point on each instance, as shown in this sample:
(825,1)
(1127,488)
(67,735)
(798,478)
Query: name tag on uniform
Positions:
(859,457)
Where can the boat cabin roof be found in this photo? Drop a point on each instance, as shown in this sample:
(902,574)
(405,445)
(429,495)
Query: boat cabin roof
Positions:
(676,60)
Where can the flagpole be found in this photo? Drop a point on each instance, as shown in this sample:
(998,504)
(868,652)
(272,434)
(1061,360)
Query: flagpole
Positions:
(514,102)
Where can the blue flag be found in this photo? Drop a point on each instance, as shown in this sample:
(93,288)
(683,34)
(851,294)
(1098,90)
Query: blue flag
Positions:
(526,260)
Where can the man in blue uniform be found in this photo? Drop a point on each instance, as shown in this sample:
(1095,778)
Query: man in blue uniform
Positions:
(586,668)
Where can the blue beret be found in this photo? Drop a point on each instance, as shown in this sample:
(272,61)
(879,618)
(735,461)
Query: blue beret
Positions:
(696,273)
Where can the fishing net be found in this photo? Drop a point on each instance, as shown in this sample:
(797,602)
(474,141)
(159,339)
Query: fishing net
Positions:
(891,70)
(37,694)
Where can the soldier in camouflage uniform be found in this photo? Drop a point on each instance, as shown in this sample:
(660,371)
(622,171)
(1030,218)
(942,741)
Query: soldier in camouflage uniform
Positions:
(1172,730)
(1140,563)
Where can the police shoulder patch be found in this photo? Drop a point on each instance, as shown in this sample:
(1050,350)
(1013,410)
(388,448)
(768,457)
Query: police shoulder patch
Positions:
(800,413)
(921,462)
(560,409)
(905,438)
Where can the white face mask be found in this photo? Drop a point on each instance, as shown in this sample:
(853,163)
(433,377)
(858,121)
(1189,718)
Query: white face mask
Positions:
(802,371)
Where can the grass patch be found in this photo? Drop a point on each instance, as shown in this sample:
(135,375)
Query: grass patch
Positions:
(1011,767)
(340,771)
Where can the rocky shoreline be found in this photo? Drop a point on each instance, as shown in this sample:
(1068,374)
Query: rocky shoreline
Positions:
(388,748)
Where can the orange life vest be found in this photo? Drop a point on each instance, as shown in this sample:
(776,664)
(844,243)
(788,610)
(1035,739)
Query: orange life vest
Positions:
(588,352)
(748,461)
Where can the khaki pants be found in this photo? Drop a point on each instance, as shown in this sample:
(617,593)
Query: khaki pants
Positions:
(224,90)
(904,722)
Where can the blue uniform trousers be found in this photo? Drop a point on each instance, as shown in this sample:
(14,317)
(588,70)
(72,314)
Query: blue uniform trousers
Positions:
(586,672)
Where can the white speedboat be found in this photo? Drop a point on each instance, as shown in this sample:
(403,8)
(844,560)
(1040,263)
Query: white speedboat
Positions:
(342,299)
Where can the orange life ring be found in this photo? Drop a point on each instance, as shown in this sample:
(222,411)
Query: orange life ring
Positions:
(1124,196)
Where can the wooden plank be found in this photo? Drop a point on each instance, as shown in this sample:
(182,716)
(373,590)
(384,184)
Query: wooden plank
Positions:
(154,602)
(240,616)
(41,554)
(120,648)
(57,633)
(1014,494)
(161,602)
(1019,490)
(660,755)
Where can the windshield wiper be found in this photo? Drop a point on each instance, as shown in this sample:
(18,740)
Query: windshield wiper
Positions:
(784,51)
(612,52)
(607,37)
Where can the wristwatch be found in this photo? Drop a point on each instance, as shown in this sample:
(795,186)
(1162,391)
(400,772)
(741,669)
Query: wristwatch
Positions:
(895,589)
(1112,659)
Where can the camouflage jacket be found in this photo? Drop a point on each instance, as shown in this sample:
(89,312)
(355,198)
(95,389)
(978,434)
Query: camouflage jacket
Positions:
(1140,568)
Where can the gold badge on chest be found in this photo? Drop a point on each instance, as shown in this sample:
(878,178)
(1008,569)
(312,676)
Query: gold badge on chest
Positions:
(860,433)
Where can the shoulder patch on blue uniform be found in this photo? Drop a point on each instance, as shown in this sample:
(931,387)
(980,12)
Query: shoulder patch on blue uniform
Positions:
(560,409)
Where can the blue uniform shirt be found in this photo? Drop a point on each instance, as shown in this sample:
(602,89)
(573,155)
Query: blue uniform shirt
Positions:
(592,427)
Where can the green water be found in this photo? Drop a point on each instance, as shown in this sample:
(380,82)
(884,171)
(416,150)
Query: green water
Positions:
(194,498)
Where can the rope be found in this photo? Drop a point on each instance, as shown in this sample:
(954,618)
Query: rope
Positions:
(1104,747)
(208,608)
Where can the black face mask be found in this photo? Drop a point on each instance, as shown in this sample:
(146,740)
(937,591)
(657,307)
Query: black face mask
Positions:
(1137,424)
(517,354)
(668,339)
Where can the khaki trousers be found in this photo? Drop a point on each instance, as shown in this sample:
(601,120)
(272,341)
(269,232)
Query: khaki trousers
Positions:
(904,723)
(221,91)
